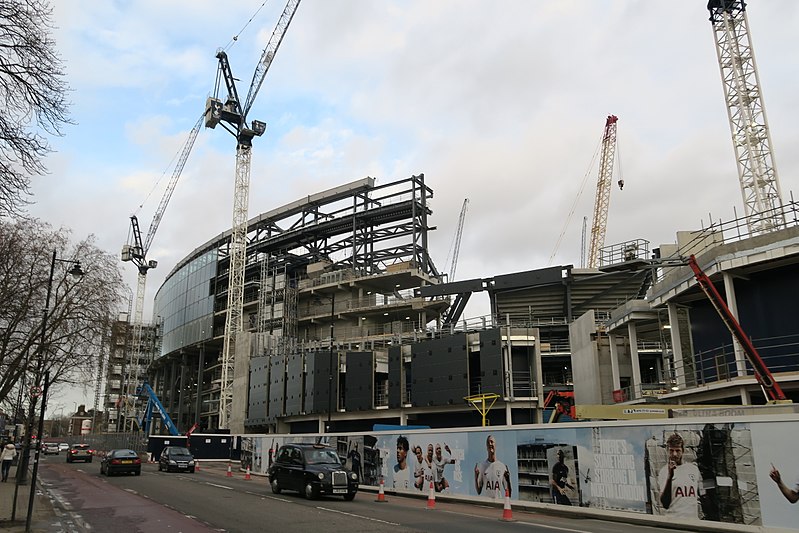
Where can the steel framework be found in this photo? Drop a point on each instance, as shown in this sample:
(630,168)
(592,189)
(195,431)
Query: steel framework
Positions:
(743,99)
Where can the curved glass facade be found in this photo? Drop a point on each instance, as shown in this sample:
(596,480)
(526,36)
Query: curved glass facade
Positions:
(185,302)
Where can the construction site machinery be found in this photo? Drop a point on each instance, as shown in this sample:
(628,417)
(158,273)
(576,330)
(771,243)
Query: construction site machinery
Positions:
(771,389)
(136,252)
(145,391)
(603,187)
(233,118)
(743,99)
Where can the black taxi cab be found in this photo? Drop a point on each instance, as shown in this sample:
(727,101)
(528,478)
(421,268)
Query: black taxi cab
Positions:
(312,470)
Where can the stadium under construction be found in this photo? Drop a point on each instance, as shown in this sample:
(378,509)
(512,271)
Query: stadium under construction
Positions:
(348,323)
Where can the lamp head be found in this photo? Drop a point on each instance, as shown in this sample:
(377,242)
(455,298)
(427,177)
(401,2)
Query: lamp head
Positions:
(76,271)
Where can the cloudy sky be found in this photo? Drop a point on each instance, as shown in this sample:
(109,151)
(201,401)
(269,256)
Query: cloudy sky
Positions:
(503,103)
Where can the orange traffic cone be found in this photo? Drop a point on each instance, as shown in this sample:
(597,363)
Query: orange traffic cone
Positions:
(247,475)
(229,472)
(507,513)
(196,466)
(381,495)
(431,497)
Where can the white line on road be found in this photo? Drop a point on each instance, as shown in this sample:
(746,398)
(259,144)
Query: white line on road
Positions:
(358,516)
(220,486)
(524,523)
(275,498)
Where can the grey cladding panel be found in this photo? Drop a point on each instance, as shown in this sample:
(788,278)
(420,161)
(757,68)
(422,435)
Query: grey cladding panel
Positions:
(360,381)
(259,390)
(395,381)
(439,370)
(491,361)
(317,378)
(277,387)
(294,385)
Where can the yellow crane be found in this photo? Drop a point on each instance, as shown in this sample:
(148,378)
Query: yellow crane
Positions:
(603,186)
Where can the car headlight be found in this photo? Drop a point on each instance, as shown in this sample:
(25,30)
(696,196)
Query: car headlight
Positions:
(320,475)
(353,475)
(173,462)
(191,463)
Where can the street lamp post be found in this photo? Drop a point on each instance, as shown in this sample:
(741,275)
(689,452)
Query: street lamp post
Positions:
(77,272)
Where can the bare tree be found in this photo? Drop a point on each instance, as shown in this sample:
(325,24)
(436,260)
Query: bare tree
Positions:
(33,96)
(80,312)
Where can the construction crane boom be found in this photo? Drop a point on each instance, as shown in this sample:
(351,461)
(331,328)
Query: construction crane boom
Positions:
(603,186)
(233,118)
(173,181)
(743,98)
(458,234)
(137,253)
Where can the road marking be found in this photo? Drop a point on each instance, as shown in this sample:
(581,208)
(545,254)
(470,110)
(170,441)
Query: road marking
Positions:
(220,486)
(275,498)
(358,516)
(523,523)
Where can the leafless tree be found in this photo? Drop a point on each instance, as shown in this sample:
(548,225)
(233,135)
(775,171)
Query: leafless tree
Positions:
(32,94)
(80,312)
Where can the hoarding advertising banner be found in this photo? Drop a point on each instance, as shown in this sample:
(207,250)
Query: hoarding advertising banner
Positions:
(741,472)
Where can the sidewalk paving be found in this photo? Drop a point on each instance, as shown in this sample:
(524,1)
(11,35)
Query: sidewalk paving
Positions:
(43,518)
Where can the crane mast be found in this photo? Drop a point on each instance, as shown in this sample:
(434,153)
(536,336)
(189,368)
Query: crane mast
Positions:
(603,186)
(233,118)
(137,254)
(743,98)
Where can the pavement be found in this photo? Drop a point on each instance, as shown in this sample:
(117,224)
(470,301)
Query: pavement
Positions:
(43,518)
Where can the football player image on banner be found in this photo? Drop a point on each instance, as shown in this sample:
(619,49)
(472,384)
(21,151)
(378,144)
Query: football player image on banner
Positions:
(774,446)
(492,477)
(436,458)
(679,481)
(704,472)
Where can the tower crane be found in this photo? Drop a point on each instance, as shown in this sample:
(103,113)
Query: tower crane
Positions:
(456,247)
(603,186)
(751,140)
(136,252)
(233,118)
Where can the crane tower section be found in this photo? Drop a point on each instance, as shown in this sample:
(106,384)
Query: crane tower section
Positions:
(232,116)
(603,186)
(743,99)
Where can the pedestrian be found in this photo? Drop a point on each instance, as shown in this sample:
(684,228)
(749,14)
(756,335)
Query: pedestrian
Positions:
(7,457)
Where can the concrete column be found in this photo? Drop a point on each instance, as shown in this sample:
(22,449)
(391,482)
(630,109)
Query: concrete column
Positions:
(732,304)
(403,418)
(676,345)
(633,333)
(746,399)
(508,417)
(614,362)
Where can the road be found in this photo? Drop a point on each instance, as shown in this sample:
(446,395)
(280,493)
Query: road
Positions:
(208,500)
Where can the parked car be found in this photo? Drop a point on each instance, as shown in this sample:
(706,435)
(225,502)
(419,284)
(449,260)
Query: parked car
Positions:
(63,447)
(176,459)
(311,470)
(121,461)
(80,452)
(50,448)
